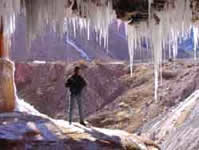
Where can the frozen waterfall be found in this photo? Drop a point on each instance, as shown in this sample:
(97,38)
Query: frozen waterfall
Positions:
(164,28)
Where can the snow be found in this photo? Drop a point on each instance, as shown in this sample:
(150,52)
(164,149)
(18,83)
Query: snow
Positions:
(196,38)
(39,62)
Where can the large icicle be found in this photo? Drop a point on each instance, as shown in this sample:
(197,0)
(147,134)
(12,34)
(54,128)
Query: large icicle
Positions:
(195,40)
(9,10)
(135,35)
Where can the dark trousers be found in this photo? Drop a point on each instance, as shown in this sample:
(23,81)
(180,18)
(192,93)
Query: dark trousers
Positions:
(78,100)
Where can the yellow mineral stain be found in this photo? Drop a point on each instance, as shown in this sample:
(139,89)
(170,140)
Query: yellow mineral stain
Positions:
(7,90)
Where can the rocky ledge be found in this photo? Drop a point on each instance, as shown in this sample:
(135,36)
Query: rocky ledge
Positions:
(23,131)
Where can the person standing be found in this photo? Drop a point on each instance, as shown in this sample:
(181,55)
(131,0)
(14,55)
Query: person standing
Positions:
(1,39)
(76,84)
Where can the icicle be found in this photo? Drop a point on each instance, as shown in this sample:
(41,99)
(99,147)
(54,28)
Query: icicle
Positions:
(164,30)
(149,7)
(88,30)
(74,28)
(9,9)
(98,15)
(100,37)
(131,43)
(157,48)
(195,38)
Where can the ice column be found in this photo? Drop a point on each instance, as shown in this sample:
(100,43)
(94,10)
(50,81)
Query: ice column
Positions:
(195,40)
(9,10)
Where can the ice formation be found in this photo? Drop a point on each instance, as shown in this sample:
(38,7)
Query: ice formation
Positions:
(161,32)
(196,38)
(9,9)
(164,29)
(59,16)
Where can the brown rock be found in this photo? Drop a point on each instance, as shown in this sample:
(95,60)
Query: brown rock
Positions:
(7,91)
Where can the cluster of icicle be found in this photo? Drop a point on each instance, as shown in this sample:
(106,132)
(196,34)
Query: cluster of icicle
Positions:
(8,11)
(63,20)
(162,33)
(59,16)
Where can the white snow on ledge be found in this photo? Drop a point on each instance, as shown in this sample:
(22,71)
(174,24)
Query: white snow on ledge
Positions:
(39,62)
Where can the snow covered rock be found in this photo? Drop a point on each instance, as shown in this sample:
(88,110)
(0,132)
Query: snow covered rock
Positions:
(22,131)
(178,129)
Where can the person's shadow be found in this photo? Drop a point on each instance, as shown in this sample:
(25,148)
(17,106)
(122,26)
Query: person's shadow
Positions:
(111,141)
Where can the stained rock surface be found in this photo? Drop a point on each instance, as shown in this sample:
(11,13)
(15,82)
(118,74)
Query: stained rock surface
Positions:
(7,91)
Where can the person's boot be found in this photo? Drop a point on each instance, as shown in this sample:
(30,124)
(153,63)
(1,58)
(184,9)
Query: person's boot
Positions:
(82,123)
(70,122)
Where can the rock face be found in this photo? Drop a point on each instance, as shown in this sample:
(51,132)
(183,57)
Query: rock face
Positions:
(22,131)
(171,121)
(177,129)
(137,10)
(7,91)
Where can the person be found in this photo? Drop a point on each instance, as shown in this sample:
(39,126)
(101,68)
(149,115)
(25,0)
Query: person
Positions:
(76,84)
(1,39)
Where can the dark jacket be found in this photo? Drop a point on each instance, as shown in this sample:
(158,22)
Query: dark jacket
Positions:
(76,83)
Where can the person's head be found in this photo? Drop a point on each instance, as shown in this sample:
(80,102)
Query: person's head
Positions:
(77,70)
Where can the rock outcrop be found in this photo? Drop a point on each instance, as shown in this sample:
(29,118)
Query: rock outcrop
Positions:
(136,105)
(178,128)
(24,131)
(7,90)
